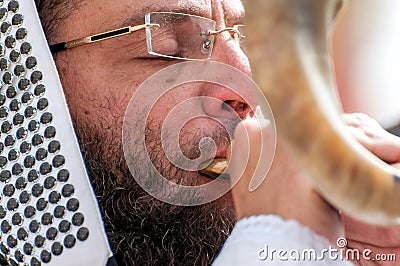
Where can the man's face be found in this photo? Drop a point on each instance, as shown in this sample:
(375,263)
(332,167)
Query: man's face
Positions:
(99,80)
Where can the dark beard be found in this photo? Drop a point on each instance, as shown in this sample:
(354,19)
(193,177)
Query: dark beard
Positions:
(141,229)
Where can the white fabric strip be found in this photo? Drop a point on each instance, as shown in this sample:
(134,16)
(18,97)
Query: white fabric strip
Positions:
(258,240)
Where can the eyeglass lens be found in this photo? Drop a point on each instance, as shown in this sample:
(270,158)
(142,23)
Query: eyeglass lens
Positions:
(180,35)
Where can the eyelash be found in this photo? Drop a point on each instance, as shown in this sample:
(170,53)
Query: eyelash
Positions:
(156,58)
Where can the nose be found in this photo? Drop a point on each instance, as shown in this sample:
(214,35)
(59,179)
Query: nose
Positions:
(229,51)
(221,101)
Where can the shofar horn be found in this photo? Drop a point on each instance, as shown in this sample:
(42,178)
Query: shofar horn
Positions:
(288,46)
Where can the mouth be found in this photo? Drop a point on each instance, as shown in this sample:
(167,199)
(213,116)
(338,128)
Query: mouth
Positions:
(215,169)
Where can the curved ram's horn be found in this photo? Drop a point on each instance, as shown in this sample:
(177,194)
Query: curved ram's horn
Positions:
(289,51)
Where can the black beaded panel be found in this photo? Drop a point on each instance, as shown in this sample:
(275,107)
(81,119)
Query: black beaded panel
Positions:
(39,215)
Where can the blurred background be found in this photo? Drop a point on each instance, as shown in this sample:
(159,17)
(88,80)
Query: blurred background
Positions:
(366,49)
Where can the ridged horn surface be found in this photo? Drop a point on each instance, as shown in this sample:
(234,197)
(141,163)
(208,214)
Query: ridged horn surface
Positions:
(288,45)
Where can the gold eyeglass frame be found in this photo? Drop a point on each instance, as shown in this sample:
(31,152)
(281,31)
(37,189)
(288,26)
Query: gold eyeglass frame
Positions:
(58,47)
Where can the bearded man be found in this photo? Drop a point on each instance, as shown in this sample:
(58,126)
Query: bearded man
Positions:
(100,78)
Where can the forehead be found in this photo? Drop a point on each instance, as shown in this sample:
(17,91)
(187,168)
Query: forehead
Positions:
(94,16)
(119,11)
(134,14)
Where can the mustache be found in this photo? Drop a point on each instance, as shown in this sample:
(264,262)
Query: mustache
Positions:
(182,161)
(193,145)
(193,141)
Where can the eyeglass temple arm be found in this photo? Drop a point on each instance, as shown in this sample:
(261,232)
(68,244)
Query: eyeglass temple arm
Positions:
(54,48)
(233,29)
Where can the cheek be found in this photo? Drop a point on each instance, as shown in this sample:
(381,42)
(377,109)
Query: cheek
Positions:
(99,94)
(177,105)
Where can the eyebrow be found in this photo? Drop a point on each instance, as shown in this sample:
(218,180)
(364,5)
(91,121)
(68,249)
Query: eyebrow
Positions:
(138,18)
(237,19)
(236,16)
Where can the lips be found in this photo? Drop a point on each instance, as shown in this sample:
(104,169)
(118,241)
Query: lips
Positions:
(215,168)
(218,165)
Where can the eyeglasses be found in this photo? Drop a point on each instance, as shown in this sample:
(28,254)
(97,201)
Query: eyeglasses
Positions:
(168,34)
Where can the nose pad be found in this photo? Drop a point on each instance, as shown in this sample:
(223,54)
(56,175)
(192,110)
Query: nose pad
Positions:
(222,102)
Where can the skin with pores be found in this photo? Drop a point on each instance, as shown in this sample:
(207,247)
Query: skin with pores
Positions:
(99,79)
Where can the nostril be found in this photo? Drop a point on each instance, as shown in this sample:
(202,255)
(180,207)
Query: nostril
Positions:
(241,108)
(222,102)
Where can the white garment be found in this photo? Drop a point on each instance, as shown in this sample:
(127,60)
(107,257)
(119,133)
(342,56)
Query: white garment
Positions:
(270,240)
